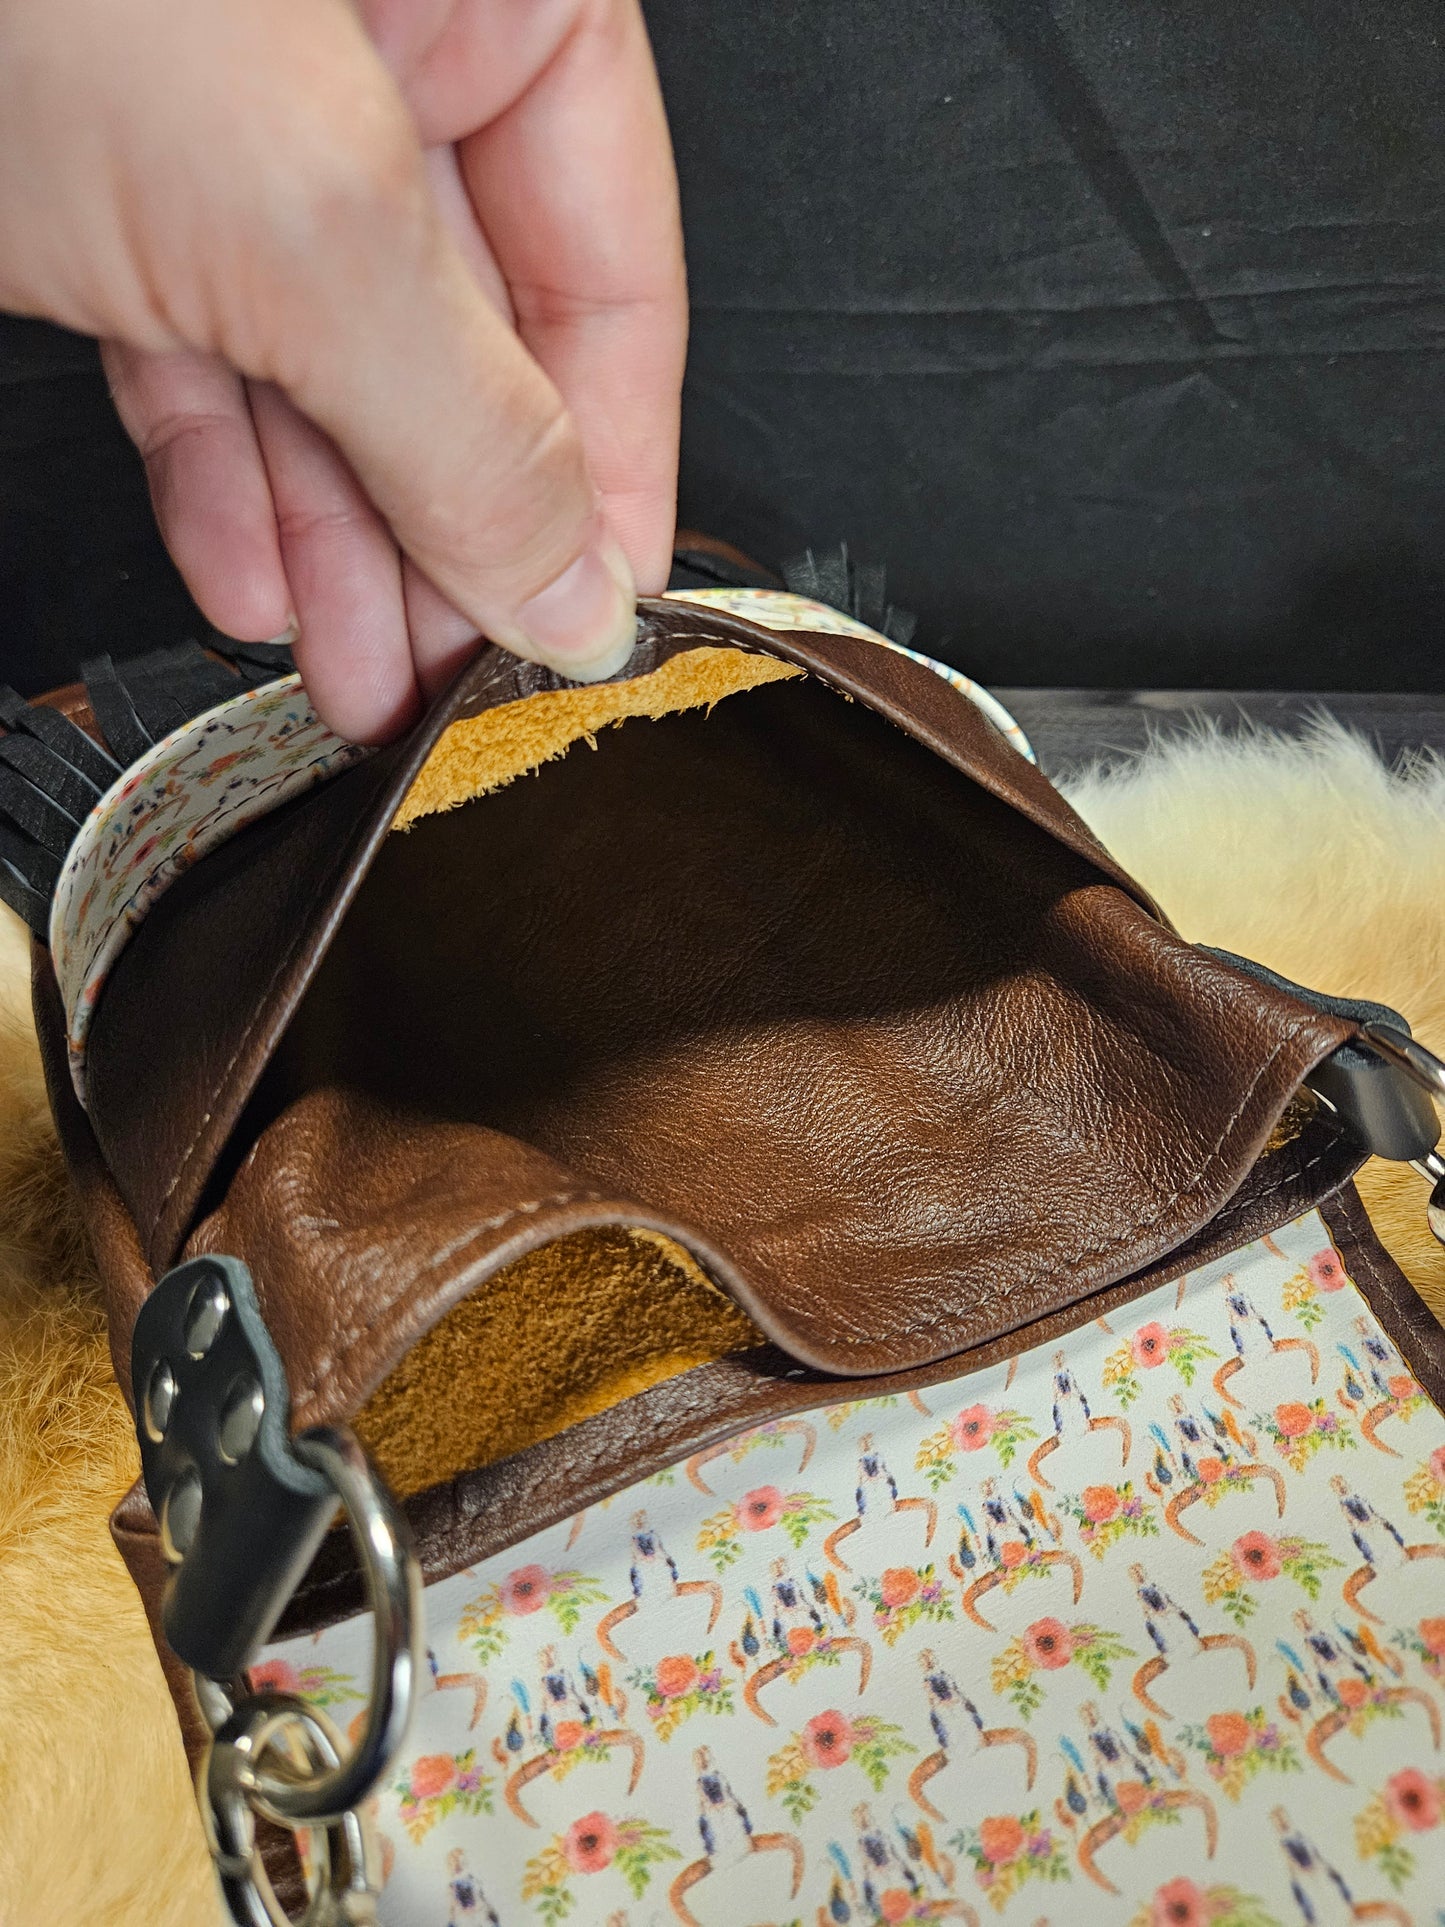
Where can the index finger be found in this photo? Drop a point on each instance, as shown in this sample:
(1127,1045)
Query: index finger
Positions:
(575,188)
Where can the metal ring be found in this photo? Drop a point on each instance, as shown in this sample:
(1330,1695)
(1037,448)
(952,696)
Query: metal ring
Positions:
(343,1886)
(1411,1056)
(1429,1072)
(392,1579)
(393,1591)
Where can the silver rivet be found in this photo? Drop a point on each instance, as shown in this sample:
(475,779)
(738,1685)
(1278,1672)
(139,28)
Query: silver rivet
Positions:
(240,1418)
(205,1315)
(181,1515)
(160,1395)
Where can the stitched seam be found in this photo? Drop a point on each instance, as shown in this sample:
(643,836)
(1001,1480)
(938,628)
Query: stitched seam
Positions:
(1112,1244)
(333,1360)
(1237,1207)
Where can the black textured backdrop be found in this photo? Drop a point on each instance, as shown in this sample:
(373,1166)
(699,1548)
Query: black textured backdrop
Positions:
(1114,329)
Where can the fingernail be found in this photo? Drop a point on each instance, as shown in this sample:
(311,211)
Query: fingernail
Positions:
(584,624)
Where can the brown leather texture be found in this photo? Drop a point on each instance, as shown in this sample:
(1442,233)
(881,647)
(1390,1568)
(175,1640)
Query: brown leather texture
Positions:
(861,1015)
(201,995)
(899,1071)
(481,1512)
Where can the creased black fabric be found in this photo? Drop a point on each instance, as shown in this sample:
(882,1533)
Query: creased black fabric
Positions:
(1112,328)
(52,773)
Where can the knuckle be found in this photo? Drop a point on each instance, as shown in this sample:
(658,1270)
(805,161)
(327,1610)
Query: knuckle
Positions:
(312,524)
(164,435)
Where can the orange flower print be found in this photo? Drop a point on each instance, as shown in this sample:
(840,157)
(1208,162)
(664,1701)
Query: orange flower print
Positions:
(274,1676)
(1150,1345)
(722,1535)
(895,1903)
(1413,1800)
(1402,1386)
(1293,1419)
(525,1590)
(1228,1733)
(1008,1851)
(832,1740)
(1012,1553)
(972,1429)
(1179,1903)
(568,1735)
(1257,1556)
(676,1675)
(1432,1632)
(827,1740)
(801,1639)
(1327,1270)
(1100,1503)
(1049,1644)
(898,1586)
(1353,1692)
(440,1784)
(589,1844)
(1210,1471)
(1001,1838)
(760,1509)
(1131,1795)
(431,1775)
(1437,1468)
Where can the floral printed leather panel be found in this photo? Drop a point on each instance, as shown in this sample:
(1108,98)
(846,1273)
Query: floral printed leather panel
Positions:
(1147,1630)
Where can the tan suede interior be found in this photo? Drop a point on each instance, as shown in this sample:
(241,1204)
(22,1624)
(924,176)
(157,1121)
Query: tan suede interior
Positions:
(480,754)
(596,1317)
(564,1332)
(735,971)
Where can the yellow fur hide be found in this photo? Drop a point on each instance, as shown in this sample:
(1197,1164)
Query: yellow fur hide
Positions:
(1311,858)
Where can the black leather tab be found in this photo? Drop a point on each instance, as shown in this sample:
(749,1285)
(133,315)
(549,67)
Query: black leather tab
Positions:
(170,686)
(1382,1106)
(859,589)
(241,1516)
(254,662)
(27,878)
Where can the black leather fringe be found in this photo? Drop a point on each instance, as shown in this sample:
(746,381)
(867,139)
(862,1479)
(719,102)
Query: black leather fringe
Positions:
(859,589)
(52,773)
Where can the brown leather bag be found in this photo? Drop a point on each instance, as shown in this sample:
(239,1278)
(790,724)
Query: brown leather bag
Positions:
(578,1115)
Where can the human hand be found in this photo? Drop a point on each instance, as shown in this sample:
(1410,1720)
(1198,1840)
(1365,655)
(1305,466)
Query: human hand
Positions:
(391,298)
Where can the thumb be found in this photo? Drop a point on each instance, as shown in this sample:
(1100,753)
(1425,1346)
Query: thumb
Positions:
(373,324)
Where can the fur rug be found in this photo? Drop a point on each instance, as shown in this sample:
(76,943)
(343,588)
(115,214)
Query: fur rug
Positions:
(1311,857)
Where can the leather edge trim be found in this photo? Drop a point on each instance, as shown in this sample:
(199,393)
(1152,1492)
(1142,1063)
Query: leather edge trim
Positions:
(482,1512)
(1409,1322)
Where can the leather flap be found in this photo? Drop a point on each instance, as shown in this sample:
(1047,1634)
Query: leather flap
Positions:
(198,1000)
(1068,1091)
